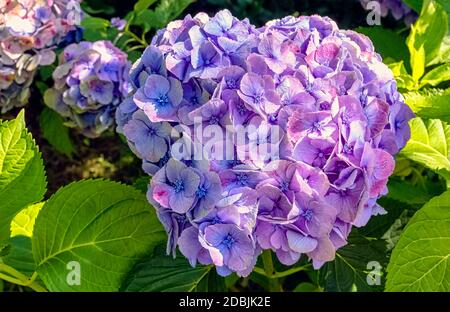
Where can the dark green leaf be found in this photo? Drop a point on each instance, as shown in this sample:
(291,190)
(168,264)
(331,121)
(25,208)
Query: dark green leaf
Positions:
(55,132)
(143,4)
(306,287)
(353,263)
(387,42)
(20,256)
(163,273)
(379,225)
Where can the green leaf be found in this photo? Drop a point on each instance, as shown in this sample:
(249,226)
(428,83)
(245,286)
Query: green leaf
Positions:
(54,131)
(306,287)
(404,80)
(443,55)
(379,225)
(429,145)
(212,282)
(406,192)
(416,5)
(428,33)
(142,183)
(166,11)
(22,175)
(421,259)
(23,222)
(20,256)
(437,75)
(90,22)
(102,225)
(387,42)
(143,4)
(349,271)
(418,63)
(162,273)
(430,103)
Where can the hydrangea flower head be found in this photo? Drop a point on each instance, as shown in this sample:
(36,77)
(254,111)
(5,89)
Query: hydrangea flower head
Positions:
(278,138)
(29,32)
(90,82)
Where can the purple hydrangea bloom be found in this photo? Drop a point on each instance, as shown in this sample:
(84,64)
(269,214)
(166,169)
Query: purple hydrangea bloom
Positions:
(118,23)
(29,32)
(90,82)
(282,137)
(397,8)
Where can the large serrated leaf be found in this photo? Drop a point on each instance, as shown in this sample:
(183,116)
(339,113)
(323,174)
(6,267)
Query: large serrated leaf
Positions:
(162,273)
(430,104)
(421,259)
(350,270)
(103,226)
(429,145)
(22,174)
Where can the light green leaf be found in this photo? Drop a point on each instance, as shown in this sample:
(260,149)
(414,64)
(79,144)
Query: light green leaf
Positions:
(429,145)
(387,42)
(421,259)
(104,226)
(404,80)
(165,274)
(428,32)
(443,55)
(143,4)
(418,63)
(54,131)
(429,104)
(22,176)
(349,271)
(437,75)
(90,22)
(23,222)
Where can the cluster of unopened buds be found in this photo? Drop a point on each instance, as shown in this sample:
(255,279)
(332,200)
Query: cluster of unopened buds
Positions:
(90,83)
(278,138)
(397,8)
(30,30)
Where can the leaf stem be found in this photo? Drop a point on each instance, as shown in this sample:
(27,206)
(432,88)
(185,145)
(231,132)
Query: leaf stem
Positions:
(274,284)
(11,275)
(283,273)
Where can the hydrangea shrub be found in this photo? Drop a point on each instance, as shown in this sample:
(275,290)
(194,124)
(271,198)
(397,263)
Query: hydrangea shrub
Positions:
(29,32)
(90,82)
(397,8)
(317,99)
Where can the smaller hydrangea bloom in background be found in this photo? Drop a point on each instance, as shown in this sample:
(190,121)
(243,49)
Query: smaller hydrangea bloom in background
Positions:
(90,82)
(118,23)
(317,99)
(397,8)
(29,32)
